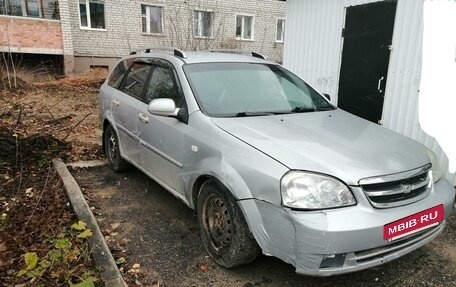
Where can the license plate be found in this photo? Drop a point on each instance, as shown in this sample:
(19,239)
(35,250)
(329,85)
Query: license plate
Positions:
(413,223)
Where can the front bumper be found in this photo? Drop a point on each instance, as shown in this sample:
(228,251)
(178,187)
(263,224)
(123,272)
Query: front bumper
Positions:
(343,240)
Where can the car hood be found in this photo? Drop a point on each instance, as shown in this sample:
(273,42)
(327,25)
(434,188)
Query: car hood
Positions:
(330,142)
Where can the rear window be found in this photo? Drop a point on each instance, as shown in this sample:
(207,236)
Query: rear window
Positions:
(117,74)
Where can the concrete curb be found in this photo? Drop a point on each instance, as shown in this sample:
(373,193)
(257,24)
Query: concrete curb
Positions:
(100,252)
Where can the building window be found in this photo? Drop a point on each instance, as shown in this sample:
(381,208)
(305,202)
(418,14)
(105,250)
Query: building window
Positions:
(92,14)
(244,27)
(48,9)
(202,24)
(32,8)
(280,30)
(11,7)
(152,19)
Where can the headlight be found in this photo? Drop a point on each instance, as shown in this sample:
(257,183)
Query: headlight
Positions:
(436,170)
(305,190)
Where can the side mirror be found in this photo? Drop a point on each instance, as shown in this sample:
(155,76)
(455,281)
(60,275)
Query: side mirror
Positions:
(327,97)
(163,107)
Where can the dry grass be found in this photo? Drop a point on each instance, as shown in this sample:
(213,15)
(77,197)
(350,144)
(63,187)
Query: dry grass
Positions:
(89,81)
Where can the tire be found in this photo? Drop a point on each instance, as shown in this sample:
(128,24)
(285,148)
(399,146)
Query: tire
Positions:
(112,151)
(223,229)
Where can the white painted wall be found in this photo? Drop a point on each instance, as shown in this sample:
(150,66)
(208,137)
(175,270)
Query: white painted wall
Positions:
(313,50)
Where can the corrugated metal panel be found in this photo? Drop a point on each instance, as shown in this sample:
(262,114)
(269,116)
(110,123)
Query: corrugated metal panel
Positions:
(313,49)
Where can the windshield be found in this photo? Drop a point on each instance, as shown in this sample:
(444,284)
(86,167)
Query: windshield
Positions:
(250,89)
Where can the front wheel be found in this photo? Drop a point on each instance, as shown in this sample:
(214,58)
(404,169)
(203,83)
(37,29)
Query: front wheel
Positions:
(112,150)
(223,229)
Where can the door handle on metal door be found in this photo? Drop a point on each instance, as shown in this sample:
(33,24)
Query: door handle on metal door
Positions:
(380,83)
(143,118)
(116,102)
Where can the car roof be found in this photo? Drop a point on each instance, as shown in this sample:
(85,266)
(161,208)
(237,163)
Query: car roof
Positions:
(192,57)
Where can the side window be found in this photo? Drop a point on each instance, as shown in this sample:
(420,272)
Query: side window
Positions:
(162,85)
(118,74)
(136,80)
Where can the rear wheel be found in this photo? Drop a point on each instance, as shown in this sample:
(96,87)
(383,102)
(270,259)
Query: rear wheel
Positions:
(112,151)
(223,229)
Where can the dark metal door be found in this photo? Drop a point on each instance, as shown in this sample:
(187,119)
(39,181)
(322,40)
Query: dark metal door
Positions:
(367,36)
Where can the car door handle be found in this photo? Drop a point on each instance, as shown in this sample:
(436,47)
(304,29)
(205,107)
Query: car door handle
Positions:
(116,102)
(143,118)
(380,83)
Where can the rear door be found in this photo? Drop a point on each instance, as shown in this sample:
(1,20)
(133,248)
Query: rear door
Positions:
(125,104)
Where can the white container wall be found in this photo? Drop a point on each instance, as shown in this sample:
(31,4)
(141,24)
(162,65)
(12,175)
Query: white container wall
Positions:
(313,50)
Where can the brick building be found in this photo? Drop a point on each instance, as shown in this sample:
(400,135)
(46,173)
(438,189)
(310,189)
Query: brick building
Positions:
(91,33)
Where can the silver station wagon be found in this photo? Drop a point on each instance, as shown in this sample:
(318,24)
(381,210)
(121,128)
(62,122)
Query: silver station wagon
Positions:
(269,164)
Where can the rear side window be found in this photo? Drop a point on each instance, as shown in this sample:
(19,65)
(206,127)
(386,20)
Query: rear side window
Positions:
(118,74)
(136,80)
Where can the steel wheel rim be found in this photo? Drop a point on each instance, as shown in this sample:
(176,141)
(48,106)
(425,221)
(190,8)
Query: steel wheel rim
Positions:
(112,145)
(217,223)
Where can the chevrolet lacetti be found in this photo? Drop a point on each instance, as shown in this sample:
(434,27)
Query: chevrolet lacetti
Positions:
(269,164)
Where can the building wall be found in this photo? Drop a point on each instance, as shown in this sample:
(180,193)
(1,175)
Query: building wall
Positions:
(67,37)
(123,31)
(313,49)
(30,35)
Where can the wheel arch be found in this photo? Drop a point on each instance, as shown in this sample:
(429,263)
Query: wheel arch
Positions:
(223,174)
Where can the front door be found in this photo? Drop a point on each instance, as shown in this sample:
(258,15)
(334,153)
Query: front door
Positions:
(162,138)
(367,36)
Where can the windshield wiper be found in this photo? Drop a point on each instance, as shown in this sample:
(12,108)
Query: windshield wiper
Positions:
(268,113)
(253,114)
(307,110)
(302,110)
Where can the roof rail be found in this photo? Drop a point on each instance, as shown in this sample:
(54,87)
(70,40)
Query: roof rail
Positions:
(242,52)
(177,52)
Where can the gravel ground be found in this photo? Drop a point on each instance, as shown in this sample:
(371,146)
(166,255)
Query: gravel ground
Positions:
(145,224)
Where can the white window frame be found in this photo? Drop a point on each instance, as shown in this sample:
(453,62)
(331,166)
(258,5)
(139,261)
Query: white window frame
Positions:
(89,21)
(242,27)
(148,18)
(200,28)
(283,30)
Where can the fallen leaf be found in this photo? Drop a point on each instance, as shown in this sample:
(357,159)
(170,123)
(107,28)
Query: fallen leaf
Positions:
(87,233)
(63,243)
(136,266)
(3,247)
(114,226)
(133,271)
(203,267)
(31,259)
(121,260)
(81,225)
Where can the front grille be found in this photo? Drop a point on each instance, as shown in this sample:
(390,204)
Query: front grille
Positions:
(398,189)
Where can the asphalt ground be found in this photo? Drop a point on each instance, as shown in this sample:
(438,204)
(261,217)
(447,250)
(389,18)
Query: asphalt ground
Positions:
(146,225)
